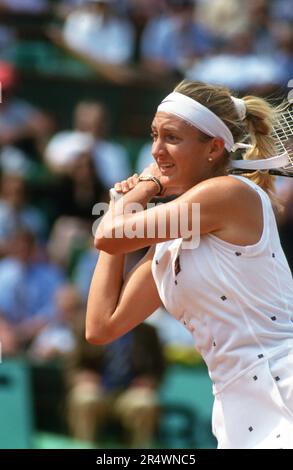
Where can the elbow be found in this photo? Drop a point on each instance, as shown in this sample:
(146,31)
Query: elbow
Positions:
(100,242)
(109,245)
(103,238)
(106,239)
(94,340)
(96,336)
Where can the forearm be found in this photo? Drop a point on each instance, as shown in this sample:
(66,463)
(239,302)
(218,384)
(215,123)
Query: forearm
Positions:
(106,238)
(104,293)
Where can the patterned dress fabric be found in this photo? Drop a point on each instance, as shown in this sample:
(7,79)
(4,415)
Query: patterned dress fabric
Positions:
(237,301)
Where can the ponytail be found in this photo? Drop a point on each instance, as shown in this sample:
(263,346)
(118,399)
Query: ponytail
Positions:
(260,118)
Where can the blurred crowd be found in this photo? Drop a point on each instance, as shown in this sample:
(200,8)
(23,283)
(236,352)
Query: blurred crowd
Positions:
(199,39)
(51,177)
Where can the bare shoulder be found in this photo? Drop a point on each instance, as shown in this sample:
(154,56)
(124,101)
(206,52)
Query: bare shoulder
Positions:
(226,203)
(223,191)
(224,187)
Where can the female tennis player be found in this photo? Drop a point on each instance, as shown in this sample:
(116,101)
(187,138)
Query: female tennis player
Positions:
(234,292)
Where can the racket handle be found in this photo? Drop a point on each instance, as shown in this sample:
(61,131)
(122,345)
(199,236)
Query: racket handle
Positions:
(114,195)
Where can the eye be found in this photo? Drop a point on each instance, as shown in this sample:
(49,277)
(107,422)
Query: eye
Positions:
(153,135)
(172,138)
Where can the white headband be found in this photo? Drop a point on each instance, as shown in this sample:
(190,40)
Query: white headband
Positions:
(208,122)
(201,117)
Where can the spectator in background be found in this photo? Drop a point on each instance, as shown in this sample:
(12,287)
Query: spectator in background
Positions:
(77,189)
(70,154)
(116,381)
(64,149)
(260,25)
(84,269)
(15,210)
(25,6)
(145,8)
(282,32)
(57,338)
(90,135)
(76,192)
(281,9)
(175,40)
(9,341)
(80,189)
(251,36)
(142,11)
(223,17)
(64,7)
(96,31)
(14,161)
(28,287)
(7,38)
(262,73)
(21,124)
(144,158)
(110,158)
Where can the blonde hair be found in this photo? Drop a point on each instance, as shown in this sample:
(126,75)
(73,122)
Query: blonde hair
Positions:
(256,127)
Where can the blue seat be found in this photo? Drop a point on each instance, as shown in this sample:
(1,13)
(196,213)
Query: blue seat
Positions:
(186,401)
(16,423)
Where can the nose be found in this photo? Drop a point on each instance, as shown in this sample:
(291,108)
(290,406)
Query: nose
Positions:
(158,148)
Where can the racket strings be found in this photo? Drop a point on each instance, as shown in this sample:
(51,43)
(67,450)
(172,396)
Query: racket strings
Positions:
(283,135)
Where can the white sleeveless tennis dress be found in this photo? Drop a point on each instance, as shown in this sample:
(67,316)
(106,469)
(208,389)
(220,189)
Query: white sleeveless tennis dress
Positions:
(238,304)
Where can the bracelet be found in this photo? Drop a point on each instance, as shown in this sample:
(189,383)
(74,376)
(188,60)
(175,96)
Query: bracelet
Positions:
(154,179)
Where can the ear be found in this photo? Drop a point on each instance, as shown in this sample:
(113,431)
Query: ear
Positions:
(216,148)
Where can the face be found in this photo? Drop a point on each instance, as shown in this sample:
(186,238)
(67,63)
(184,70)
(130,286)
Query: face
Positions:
(179,152)
(13,189)
(91,117)
(68,302)
(22,247)
(82,168)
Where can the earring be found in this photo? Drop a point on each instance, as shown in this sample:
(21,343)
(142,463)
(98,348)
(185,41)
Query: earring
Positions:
(210,159)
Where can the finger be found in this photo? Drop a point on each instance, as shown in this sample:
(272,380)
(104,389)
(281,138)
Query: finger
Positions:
(135,178)
(132,181)
(124,186)
(118,187)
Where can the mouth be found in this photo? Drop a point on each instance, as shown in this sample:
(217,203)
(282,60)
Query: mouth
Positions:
(165,168)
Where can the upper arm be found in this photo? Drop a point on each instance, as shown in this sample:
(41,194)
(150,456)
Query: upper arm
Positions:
(218,198)
(138,299)
(222,202)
